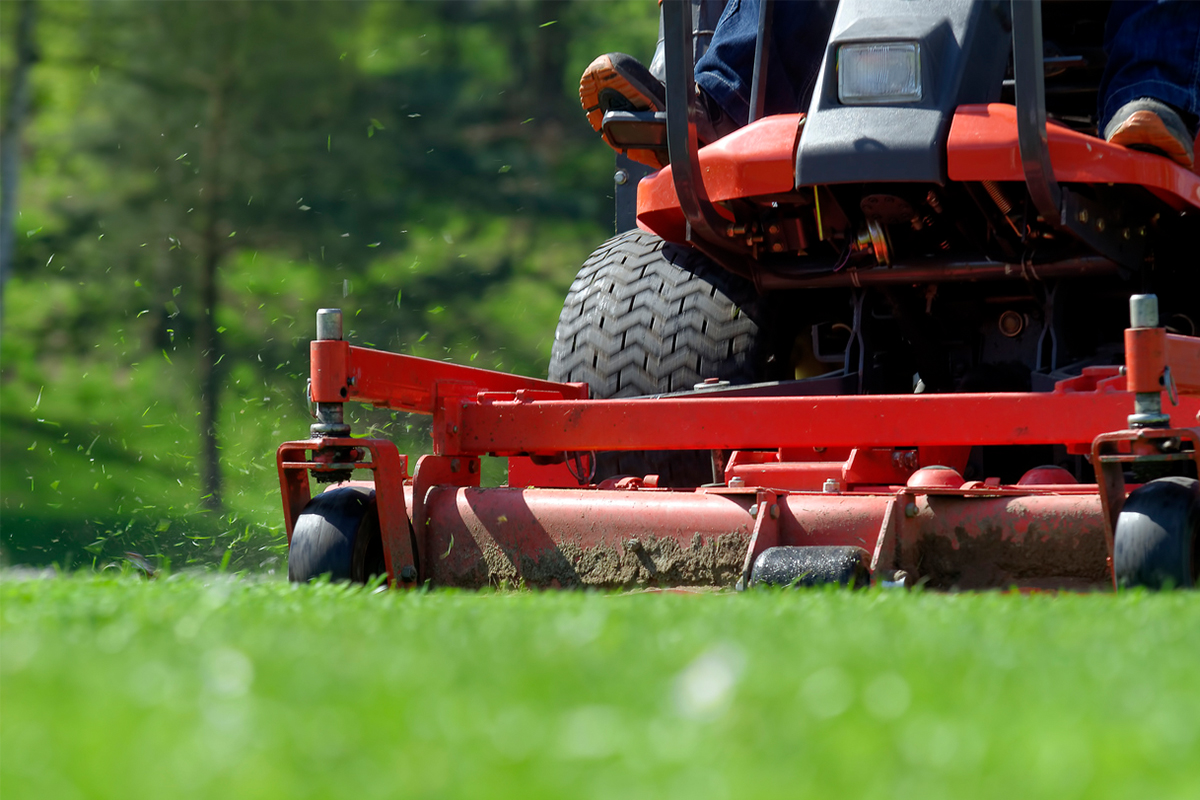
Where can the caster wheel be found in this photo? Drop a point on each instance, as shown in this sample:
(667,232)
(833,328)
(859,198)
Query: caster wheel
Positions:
(337,534)
(812,566)
(1155,543)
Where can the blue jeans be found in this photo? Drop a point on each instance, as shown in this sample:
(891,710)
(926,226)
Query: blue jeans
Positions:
(1153,47)
(1153,51)
(800,31)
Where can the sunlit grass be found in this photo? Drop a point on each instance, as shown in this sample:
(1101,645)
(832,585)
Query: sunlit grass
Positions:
(224,687)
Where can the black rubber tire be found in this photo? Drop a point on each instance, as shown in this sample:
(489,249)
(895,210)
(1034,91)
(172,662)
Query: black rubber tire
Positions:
(812,566)
(337,534)
(646,317)
(1157,540)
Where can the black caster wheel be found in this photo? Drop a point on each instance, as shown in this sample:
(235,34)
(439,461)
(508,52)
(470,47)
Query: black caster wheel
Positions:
(1155,543)
(337,534)
(812,566)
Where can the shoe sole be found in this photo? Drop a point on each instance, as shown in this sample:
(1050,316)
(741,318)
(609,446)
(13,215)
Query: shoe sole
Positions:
(1145,130)
(603,75)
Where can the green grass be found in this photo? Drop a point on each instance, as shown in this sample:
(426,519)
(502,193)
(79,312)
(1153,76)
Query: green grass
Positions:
(217,686)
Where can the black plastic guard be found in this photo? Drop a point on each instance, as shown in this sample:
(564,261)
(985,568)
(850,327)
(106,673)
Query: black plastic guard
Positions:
(965,48)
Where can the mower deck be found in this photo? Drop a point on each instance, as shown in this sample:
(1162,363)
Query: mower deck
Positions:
(879,473)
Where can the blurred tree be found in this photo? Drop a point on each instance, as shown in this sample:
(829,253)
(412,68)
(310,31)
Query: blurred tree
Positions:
(16,107)
(235,93)
(198,177)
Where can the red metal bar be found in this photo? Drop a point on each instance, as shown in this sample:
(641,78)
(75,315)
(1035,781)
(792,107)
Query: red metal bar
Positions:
(390,470)
(341,372)
(434,470)
(769,423)
(767,530)
(328,360)
(1145,359)
(1183,356)
(292,482)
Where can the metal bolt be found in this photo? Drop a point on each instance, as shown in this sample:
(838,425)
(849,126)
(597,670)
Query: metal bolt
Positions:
(454,465)
(408,573)
(1082,216)
(737,483)
(774,511)
(773,229)
(621,177)
(1126,235)
(454,429)
(1142,231)
(1143,311)
(1100,225)
(754,510)
(471,466)
(1011,323)
(831,486)
(777,248)
(329,323)
(910,510)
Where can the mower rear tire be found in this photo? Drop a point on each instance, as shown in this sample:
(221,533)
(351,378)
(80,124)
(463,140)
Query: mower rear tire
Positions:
(812,566)
(1157,540)
(337,535)
(647,317)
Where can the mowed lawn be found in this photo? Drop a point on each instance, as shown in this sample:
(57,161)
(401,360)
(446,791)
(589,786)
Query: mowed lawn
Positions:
(224,687)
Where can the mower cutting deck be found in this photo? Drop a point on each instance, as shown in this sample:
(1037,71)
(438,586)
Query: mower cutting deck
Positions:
(877,478)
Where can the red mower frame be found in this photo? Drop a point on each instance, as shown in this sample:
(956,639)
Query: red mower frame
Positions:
(881,473)
(877,477)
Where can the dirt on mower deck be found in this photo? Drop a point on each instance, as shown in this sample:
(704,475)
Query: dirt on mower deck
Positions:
(640,562)
(553,538)
(994,560)
(1065,550)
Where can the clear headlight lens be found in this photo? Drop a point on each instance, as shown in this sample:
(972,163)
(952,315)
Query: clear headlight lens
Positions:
(879,72)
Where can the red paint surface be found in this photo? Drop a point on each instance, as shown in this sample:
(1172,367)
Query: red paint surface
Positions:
(983,147)
(760,160)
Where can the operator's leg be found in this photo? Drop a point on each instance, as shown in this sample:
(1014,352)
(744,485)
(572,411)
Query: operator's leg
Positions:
(800,31)
(619,82)
(1150,93)
(725,73)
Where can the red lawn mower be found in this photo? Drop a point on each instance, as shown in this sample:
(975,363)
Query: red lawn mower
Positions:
(927,339)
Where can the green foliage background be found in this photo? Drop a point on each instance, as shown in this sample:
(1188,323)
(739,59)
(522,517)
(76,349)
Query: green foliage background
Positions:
(422,165)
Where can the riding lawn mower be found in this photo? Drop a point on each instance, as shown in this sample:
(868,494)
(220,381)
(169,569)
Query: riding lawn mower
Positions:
(932,331)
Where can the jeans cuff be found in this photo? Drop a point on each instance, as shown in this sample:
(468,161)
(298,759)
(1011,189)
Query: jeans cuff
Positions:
(726,96)
(1163,91)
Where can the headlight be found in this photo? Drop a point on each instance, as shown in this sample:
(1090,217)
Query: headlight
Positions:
(879,73)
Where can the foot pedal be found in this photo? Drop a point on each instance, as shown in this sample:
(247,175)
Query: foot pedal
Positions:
(636,130)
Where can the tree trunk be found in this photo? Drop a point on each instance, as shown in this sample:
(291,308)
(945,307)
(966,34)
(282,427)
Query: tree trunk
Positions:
(211,250)
(10,142)
(549,58)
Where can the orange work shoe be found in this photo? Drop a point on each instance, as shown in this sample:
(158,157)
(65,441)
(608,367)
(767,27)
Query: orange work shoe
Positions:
(617,82)
(1150,125)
